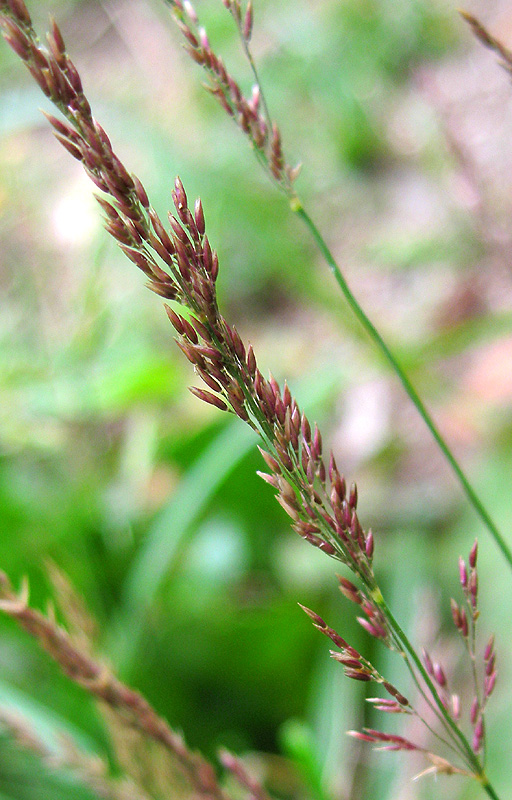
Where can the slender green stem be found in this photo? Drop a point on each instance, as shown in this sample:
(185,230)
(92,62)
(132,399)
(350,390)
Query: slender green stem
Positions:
(489,789)
(406,383)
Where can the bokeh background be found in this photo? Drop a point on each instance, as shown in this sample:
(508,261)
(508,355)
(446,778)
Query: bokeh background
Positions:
(147,499)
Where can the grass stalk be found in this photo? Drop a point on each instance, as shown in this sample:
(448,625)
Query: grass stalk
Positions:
(411,392)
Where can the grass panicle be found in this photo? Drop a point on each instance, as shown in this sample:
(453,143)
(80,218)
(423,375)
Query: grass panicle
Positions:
(130,708)
(251,114)
(181,266)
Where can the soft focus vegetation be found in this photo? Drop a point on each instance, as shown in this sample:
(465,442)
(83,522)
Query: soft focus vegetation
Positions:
(148,499)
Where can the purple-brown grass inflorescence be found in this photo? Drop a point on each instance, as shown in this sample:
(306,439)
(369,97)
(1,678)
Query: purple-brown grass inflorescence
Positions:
(465,620)
(181,266)
(250,113)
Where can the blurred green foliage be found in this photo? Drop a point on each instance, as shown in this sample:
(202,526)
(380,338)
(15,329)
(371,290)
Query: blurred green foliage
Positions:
(150,502)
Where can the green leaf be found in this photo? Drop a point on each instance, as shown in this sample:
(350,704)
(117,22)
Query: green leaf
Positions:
(171,528)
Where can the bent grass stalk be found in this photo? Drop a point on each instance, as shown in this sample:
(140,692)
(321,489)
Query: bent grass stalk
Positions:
(131,708)
(128,710)
(268,151)
(181,266)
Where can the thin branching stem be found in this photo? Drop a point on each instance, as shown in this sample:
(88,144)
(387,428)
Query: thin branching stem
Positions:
(430,704)
(489,789)
(463,745)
